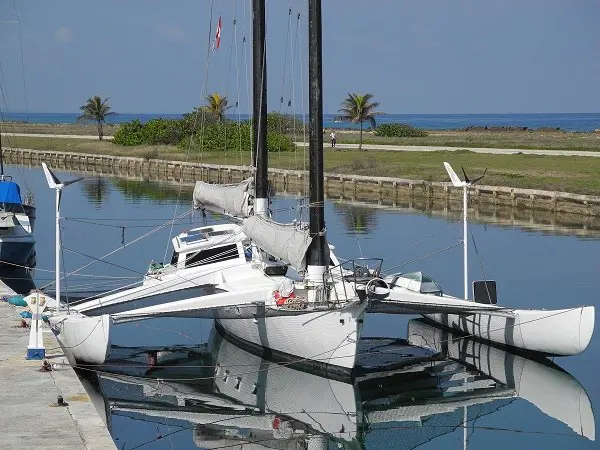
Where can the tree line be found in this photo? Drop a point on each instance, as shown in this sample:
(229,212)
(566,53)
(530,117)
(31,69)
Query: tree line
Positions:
(211,119)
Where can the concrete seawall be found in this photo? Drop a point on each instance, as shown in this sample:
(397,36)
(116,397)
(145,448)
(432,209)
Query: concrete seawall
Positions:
(29,417)
(391,191)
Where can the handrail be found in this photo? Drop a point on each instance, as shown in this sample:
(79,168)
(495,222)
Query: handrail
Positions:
(355,271)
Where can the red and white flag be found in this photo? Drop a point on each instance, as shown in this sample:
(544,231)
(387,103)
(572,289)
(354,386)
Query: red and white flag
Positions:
(218,35)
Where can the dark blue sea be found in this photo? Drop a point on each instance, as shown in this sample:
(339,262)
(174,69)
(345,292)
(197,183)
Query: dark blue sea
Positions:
(563,121)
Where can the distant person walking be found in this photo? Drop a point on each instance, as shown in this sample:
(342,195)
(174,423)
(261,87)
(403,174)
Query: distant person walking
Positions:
(332,138)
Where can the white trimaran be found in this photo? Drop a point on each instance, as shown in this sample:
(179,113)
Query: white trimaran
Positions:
(318,318)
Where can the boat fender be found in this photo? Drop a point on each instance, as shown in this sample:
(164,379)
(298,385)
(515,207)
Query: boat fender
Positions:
(28,315)
(17,300)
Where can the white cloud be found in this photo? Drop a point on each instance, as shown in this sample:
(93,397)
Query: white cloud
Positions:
(173,33)
(64,35)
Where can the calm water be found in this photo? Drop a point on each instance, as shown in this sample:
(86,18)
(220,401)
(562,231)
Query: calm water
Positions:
(533,270)
(564,121)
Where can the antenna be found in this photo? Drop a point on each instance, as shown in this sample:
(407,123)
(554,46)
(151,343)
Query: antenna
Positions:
(465,185)
(57,185)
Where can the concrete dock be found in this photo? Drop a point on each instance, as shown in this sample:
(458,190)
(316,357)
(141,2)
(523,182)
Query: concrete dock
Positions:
(29,417)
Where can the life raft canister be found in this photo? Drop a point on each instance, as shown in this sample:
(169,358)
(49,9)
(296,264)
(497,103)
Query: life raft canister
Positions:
(280,300)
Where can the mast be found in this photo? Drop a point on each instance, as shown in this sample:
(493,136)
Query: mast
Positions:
(259,107)
(317,252)
(1,154)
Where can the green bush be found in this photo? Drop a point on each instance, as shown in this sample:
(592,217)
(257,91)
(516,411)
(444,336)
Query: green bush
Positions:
(283,123)
(223,136)
(162,131)
(399,130)
(232,136)
(209,135)
(154,132)
(277,142)
(130,133)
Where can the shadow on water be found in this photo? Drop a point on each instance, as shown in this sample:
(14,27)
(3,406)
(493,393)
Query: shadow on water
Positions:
(404,393)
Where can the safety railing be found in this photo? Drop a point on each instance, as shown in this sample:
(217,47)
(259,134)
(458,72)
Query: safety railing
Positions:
(359,271)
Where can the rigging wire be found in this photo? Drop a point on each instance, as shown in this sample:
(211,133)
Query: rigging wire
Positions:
(125,411)
(122,247)
(22,61)
(245,42)
(303,78)
(237,84)
(183,281)
(6,102)
(231,47)
(202,123)
(103,261)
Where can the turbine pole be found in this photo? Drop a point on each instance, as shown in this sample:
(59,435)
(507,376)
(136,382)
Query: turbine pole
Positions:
(465,241)
(57,185)
(57,189)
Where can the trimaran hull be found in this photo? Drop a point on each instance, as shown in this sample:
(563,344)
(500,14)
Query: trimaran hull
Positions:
(84,339)
(321,338)
(330,337)
(324,337)
(563,332)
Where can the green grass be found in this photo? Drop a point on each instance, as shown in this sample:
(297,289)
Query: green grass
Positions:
(545,140)
(487,139)
(57,128)
(560,173)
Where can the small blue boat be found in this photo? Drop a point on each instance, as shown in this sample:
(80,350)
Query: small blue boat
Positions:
(16,223)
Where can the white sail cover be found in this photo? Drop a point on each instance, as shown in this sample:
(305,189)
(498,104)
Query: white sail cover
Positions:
(230,199)
(284,241)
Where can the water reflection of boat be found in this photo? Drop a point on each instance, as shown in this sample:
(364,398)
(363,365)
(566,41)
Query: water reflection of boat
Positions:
(541,382)
(401,393)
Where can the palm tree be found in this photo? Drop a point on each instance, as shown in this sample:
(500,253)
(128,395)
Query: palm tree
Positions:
(216,106)
(358,108)
(96,109)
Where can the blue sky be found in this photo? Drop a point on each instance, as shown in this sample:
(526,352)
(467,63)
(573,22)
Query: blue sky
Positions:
(463,56)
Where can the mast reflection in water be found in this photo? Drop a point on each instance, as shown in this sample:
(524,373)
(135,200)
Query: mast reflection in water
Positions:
(405,393)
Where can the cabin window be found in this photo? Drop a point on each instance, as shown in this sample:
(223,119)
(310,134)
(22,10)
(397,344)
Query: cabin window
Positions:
(174,258)
(212,255)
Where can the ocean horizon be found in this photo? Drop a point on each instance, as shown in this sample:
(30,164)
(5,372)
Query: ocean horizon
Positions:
(581,122)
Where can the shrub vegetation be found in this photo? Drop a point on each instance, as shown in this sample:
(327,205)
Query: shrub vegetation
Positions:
(399,130)
(209,134)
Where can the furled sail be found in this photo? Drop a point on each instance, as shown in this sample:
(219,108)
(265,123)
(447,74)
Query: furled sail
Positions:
(230,199)
(286,242)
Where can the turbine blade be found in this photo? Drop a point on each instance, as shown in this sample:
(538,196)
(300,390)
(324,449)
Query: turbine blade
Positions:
(453,177)
(53,181)
(465,174)
(66,183)
(479,178)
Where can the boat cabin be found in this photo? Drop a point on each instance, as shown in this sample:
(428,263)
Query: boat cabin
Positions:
(208,245)
(416,282)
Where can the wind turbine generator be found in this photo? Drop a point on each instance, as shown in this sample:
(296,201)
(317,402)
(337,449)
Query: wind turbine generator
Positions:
(57,185)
